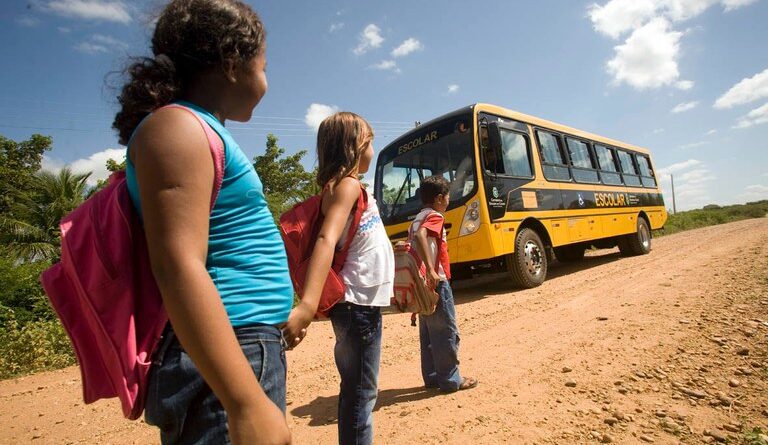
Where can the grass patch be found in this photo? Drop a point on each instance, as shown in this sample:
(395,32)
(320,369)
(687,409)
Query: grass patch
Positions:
(712,215)
(756,436)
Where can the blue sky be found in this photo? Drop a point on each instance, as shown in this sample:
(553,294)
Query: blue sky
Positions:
(686,78)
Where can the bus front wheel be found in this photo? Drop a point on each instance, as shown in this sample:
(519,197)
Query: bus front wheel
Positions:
(638,243)
(528,263)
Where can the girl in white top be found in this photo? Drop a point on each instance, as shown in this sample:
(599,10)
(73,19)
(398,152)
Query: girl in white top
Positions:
(345,150)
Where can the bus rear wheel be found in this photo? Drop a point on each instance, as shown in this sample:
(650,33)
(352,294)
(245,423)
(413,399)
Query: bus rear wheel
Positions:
(569,254)
(638,243)
(528,263)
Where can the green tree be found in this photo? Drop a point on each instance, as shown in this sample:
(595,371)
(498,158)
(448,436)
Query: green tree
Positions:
(285,180)
(32,232)
(112,166)
(19,161)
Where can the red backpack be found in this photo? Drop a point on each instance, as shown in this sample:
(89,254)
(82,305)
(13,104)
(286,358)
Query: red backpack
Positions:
(105,294)
(299,228)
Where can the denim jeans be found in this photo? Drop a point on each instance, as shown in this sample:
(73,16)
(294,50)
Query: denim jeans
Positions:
(185,408)
(439,339)
(357,353)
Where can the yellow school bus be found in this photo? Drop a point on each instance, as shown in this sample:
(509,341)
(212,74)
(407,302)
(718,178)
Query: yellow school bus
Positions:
(524,191)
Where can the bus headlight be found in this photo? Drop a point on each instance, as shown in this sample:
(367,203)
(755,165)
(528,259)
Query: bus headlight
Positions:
(471,221)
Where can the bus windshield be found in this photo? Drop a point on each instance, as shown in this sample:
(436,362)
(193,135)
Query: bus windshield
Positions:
(441,149)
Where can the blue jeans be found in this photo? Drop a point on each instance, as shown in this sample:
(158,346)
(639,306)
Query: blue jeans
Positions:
(357,353)
(185,408)
(439,339)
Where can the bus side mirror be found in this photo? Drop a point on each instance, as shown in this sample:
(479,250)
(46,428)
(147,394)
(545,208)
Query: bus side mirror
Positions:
(494,148)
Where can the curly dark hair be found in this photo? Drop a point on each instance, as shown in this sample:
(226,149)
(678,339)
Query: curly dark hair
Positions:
(191,37)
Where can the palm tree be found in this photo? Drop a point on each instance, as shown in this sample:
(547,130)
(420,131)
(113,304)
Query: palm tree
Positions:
(32,233)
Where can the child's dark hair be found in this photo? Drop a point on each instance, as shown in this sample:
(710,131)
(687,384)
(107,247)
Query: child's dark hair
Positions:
(190,38)
(341,139)
(431,187)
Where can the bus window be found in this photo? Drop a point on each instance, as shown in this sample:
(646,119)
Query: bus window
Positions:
(511,158)
(645,171)
(581,160)
(628,170)
(553,162)
(606,160)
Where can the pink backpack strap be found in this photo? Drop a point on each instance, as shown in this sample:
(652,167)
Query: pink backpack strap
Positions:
(215,145)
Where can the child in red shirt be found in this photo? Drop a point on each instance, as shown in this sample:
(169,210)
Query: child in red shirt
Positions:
(438,332)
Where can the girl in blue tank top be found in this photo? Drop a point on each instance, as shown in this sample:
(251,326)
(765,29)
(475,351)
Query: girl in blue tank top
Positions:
(222,272)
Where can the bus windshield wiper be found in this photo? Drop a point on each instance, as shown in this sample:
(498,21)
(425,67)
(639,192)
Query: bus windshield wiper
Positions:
(400,192)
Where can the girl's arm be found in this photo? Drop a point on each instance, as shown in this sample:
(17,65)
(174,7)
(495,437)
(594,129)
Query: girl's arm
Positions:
(175,175)
(422,248)
(337,205)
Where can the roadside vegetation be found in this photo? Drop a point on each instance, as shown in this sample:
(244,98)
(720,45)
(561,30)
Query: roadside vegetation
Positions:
(711,215)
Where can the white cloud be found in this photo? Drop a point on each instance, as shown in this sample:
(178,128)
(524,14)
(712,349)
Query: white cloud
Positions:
(369,39)
(453,88)
(29,22)
(99,43)
(386,65)
(649,56)
(91,48)
(619,16)
(336,27)
(680,166)
(730,5)
(316,113)
(64,30)
(747,90)
(109,41)
(648,59)
(692,181)
(408,46)
(96,164)
(111,11)
(685,106)
(757,116)
(711,132)
(693,145)
(658,131)
(754,192)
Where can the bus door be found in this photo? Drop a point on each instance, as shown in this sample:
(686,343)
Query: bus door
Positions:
(508,177)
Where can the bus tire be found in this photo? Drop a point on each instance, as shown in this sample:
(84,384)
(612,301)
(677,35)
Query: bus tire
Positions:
(638,243)
(528,263)
(569,254)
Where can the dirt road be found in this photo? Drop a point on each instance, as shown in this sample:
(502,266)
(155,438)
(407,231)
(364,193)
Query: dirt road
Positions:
(668,348)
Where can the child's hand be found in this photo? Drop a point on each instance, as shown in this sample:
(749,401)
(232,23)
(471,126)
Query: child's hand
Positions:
(295,329)
(432,279)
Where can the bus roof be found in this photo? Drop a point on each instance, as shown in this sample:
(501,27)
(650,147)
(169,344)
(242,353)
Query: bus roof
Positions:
(533,120)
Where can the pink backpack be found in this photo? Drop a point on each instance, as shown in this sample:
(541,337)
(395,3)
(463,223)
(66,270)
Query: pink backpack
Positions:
(105,294)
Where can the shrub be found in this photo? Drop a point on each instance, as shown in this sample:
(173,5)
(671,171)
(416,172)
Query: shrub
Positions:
(33,346)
